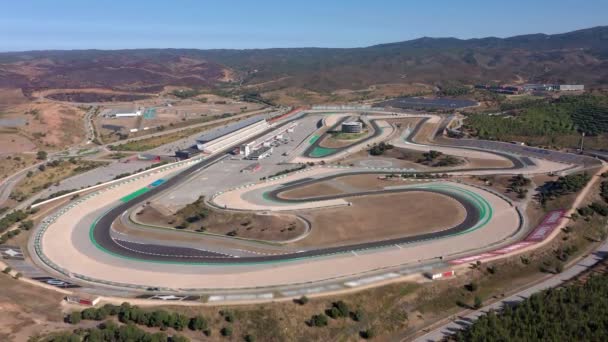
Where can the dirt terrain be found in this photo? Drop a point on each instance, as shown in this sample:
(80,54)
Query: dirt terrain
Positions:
(13,163)
(313,190)
(46,125)
(28,310)
(11,97)
(168,112)
(380,217)
(199,217)
(343,185)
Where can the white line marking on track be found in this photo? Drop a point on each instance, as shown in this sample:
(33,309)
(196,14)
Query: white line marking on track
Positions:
(169,255)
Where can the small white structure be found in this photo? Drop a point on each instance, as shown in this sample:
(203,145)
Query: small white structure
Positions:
(571,87)
(127,114)
(246,149)
(260,153)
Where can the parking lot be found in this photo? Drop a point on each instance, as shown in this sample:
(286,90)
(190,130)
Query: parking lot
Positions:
(231,171)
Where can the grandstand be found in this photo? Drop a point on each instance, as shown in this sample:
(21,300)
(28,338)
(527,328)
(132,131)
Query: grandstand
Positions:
(222,137)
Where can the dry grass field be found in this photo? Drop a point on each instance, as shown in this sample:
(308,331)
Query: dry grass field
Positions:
(170,112)
(380,217)
(28,310)
(47,125)
(199,217)
(313,190)
(51,175)
(12,163)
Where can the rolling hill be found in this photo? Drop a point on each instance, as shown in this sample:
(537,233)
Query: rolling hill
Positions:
(573,57)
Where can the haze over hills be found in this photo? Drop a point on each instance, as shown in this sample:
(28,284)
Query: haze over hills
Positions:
(573,57)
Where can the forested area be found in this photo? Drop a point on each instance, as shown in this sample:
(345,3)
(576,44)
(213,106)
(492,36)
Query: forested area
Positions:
(110,331)
(547,118)
(572,313)
(562,186)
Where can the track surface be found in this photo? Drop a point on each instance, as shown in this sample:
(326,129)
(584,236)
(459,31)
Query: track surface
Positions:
(102,229)
(171,253)
(308,152)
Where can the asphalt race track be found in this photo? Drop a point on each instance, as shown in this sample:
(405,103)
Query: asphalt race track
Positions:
(308,152)
(189,255)
(102,235)
(145,255)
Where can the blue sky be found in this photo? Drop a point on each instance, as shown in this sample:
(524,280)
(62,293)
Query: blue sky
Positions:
(111,24)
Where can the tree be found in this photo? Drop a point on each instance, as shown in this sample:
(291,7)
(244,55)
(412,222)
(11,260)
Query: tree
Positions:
(477,302)
(179,338)
(226,331)
(367,334)
(74,317)
(158,318)
(249,338)
(181,322)
(357,316)
(26,225)
(599,208)
(228,316)
(333,312)
(302,300)
(585,211)
(472,286)
(319,320)
(41,155)
(491,269)
(342,308)
(198,323)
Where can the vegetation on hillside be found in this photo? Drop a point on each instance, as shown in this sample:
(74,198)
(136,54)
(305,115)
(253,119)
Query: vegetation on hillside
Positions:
(438,159)
(544,120)
(49,174)
(572,313)
(562,186)
(110,331)
(519,184)
(185,93)
(424,60)
(379,149)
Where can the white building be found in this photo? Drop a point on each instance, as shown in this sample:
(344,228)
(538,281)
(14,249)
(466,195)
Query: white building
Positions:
(246,149)
(222,137)
(127,114)
(571,87)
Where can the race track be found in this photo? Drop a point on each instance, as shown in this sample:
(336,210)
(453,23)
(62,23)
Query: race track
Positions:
(80,241)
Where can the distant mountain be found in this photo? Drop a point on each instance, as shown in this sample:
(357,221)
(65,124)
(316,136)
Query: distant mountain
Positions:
(573,57)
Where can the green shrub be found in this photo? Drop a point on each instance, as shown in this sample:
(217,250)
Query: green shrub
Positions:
(319,320)
(226,331)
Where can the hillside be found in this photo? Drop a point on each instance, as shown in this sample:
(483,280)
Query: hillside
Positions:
(574,57)
(555,123)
